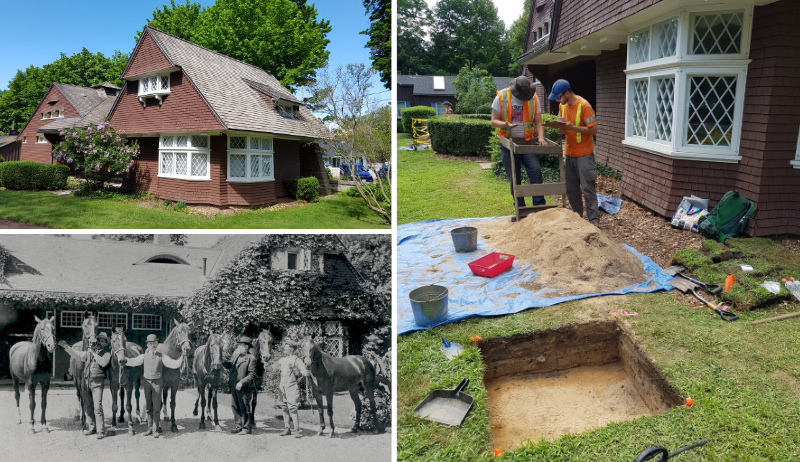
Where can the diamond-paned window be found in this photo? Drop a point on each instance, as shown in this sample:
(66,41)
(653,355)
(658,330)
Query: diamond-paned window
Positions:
(154,84)
(112,320)
(638,109)
(255,163)
(72,319)
(639,46)
(199,164)
(180,163)
(181,141)
(665,38)
(165,82)
(238,142)
(237,165)
(144,85)
(719,33)
(665,90)
(199,141)
(255,143)
(167,141)
(266,144)
(710,112)
(146,322)
(167,163)
(266,166)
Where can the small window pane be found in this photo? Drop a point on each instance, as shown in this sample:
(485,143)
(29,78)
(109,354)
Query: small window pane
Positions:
(47,115)
(639,46)
(292,261)
(238,165)
(180,163)
(154,83)
(266,144)
(165,82)
(266,166)
(167,163)
(145,85)
(255,142)
(665,89)
(638,109)
(181,141)
(167,141)
(716,33)
(199,141)
(199,164)
(238,142)
(710,113)
(665,38)
(255,162)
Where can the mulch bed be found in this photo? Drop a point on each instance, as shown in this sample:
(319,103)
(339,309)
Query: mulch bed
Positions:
(463,158)
(10,224)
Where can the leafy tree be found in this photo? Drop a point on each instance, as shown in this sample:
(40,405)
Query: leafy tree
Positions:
(413,18)
(178,20)
(175,239)
(28,87)
(380,38)
(475,91)
(371,254)
(515,37)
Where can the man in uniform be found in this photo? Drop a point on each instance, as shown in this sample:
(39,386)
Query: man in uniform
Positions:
(243,379)
(515,110)
(153,362)
(448,108)
(292,368)
(97,359)
(580,170)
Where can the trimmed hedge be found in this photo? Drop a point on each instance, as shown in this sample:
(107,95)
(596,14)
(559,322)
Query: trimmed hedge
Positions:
(477,116)
(460,136)
(415,112)
(400,128)
(27,175)
(291,186)
(308,189)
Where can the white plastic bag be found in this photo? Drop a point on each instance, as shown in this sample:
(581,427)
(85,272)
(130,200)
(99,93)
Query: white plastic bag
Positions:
(794,288)
(772,286)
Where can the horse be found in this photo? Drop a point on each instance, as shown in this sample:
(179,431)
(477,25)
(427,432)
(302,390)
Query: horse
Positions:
(88,339)
(208,373)
(176,341)
(124,379)
(262,350)
(330,375)
(32,362)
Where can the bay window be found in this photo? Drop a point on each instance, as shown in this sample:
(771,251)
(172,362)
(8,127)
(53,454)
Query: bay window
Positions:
(250,158)
(685,84)
(185,157)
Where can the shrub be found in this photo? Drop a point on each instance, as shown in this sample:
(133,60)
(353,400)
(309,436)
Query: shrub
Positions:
(400,128)
(328,172)
(308,189)
(478,116)
(415,112)
(98,152)
(459,136)
(291,186)
(353,192)
(27,175)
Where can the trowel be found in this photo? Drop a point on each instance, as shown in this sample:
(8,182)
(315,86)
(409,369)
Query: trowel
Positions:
(451,349)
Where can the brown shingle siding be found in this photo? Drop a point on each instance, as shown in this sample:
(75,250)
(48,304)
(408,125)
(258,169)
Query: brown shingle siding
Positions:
(41,152)
(148,57)
(579,18)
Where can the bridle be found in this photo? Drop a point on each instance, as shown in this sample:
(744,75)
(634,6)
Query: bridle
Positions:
(44,340)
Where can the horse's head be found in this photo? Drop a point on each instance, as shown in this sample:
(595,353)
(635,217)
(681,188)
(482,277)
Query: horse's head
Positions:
(118,344)
(89,328)
(45,333)
(182,331)
(265,345)
(217,343)
(306,349)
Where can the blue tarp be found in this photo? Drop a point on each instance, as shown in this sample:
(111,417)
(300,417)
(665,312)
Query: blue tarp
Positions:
(611,204)
(425,256)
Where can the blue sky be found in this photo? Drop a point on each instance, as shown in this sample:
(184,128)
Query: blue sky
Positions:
(109,26)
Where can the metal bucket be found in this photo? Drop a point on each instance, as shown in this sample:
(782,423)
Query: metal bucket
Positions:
(465,239)
(429,304)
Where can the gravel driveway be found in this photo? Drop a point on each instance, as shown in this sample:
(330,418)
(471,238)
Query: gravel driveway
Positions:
(66,443)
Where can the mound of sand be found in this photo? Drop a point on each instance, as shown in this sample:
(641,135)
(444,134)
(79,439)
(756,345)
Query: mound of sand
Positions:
(569,253)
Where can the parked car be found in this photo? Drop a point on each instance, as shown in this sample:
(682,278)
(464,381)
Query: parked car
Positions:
(385,172)
(363,173)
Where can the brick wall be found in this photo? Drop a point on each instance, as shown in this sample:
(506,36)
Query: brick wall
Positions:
(148,57)
(579,18)
(41,152)
(182,110)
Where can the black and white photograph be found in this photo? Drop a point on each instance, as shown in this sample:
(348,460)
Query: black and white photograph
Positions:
(196,347)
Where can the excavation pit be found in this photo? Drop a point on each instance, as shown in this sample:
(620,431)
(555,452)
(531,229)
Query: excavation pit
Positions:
(568,380)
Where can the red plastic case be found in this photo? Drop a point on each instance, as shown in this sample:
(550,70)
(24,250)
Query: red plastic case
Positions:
(491,265)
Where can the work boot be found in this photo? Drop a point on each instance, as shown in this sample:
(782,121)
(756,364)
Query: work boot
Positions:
(101,435)
(90,432)
(237,430)
(148,432)
(297,433)
(286,432)
(149,427)
(157,435)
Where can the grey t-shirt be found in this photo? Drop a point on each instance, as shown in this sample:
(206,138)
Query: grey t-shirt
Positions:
(516,115)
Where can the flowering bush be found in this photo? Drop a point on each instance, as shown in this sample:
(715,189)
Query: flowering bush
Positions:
(98,152)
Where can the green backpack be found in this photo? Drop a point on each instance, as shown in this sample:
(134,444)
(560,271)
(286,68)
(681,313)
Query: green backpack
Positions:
(729,218)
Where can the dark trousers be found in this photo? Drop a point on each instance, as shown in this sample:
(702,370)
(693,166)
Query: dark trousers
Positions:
(241,403)
(581,173)
(532,168)
(152,395)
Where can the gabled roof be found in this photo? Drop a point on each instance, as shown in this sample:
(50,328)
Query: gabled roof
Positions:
(423,84)
(237,92)
(106,85)
(4,140)
(83,99)
(98,115)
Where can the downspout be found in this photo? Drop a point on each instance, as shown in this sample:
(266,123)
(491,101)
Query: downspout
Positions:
(204,266)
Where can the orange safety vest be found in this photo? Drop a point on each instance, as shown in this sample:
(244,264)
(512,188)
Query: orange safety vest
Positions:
(528,114)
(577,119)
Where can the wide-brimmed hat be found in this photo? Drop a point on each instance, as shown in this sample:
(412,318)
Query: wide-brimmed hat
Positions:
(103,336)
(446,103)
(246,340)
(522,89)
(152,338)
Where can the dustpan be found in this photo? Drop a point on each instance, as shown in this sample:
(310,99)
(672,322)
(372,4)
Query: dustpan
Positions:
(449,407)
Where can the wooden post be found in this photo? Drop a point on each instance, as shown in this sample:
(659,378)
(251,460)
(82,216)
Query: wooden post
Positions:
(775,318)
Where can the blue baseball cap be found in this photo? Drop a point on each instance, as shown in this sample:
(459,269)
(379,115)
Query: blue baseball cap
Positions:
(559,87)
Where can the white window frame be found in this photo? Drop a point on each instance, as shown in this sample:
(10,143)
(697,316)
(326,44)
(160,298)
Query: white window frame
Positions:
(113,315)
(682,67)
(249,153)
(796,162)
(158,93)
(24,140)
(81,314)
(189,150)
(438,107)
(140,316)
(40,139)
(402,105)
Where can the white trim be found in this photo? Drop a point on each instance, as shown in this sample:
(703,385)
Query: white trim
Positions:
(249,152)
(144,316)
(189,150)
(41,137)
(159,92)
(82,315)
(665,150)
(796,162)
(113,316)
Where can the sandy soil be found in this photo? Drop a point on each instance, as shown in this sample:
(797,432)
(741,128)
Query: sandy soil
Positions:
(66,443)
(551,405)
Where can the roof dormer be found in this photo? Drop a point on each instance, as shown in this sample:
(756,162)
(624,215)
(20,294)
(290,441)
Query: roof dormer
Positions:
(153,85)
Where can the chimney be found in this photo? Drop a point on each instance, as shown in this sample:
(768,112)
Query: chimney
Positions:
(13,132)
(161,239)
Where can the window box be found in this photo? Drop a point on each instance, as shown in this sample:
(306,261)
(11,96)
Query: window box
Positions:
(250,159)
(154,86)
(184,156)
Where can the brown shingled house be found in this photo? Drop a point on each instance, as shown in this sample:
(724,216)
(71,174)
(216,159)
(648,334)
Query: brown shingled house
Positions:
(212,130)
(692,97)
(63,106)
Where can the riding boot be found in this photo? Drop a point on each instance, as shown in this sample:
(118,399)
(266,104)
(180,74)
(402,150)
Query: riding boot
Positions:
(149,427)
(296,417)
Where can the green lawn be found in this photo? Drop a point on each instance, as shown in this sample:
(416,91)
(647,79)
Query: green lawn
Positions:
(46,209)
(744,380)
(428,188)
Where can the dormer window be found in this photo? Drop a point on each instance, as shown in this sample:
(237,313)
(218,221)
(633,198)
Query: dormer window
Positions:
(153,85)
(286,111)
(291,259)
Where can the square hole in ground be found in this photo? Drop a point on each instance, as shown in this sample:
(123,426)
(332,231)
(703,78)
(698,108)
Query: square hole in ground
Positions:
(568,380)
